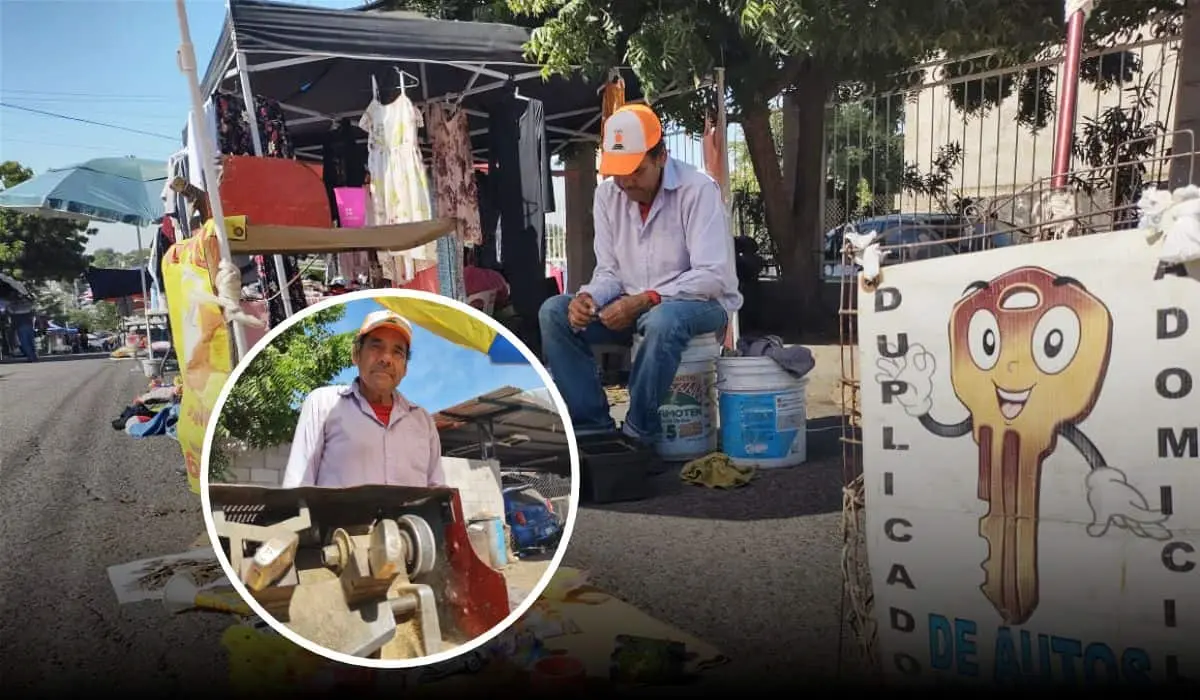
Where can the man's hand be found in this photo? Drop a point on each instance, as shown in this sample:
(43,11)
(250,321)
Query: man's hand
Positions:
(622,313)
(581,311)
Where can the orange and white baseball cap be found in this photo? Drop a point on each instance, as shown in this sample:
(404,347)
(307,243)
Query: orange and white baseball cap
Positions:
(389,320)
(631,131)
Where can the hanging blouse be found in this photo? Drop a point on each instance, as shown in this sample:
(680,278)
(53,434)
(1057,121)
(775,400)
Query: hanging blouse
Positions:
(454,171)
(399,186)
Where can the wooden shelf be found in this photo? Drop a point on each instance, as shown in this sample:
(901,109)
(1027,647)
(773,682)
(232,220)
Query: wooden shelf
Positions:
(254,239)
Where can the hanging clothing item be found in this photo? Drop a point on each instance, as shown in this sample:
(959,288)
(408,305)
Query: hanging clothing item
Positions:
(343,161)
(519,163)
(714,150)
(614,97)
(399,185)
(233,127)
(192,139)
(489,218)
(234,138)
(453,171)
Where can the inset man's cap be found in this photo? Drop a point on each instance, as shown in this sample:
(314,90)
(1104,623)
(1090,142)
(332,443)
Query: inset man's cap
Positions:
(629,133)
(386,320)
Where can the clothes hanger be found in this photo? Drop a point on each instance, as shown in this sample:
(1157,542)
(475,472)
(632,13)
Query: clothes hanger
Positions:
(404,86)
(517,93)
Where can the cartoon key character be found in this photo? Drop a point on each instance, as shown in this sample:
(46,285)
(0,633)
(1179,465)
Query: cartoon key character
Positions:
(1028,355)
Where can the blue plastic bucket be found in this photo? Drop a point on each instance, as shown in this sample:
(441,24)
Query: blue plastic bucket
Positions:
(763,413)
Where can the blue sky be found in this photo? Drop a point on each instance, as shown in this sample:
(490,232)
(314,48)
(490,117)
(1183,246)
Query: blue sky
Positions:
(441,373)
(110,61)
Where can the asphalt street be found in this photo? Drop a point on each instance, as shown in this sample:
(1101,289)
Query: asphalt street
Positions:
(754,572)
(77,496)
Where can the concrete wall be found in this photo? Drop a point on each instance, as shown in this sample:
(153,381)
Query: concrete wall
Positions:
(478,481)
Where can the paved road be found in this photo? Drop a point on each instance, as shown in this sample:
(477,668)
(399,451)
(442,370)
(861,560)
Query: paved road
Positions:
(77,496)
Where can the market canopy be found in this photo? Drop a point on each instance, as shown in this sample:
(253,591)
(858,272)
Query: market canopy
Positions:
(457,327)
(118,190)
(318,63)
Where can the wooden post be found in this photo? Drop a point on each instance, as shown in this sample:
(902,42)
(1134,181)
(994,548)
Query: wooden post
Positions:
(580,187)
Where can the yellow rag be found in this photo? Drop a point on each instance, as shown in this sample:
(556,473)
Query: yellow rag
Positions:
(716,471)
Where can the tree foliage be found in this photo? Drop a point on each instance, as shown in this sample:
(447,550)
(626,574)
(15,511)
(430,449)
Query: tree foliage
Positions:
(111,259)
(809,48)
(264,404)
(37,249)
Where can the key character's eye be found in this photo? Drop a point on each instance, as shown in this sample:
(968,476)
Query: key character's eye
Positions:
(1056,339)
(983,339)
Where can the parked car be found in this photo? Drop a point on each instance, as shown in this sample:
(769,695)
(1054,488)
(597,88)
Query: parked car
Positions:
(914,237)
(531,519)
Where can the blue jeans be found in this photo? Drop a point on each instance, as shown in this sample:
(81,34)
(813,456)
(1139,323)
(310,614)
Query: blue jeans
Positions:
(25,338)
(666,331)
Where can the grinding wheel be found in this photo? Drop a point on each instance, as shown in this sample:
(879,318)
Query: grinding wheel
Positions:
(421,555)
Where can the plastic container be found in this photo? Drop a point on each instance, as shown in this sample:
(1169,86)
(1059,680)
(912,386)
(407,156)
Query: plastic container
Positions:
(763,413)
(498,543)
(352,206)
(689,413)
(150,368)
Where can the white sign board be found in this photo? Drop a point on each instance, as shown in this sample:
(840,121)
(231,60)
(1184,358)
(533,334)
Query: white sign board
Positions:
(1032,464)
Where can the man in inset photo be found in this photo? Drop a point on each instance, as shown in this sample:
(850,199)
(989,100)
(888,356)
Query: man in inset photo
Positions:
(367,432)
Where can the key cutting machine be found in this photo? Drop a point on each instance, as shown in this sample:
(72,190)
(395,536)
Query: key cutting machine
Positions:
(369,571)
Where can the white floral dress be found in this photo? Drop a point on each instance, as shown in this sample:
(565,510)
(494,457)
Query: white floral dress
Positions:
(399,185)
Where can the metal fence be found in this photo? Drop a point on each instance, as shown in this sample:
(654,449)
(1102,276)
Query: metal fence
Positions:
(972,131)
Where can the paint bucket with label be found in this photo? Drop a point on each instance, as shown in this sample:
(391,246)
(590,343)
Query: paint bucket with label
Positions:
(689,412)
(762,412)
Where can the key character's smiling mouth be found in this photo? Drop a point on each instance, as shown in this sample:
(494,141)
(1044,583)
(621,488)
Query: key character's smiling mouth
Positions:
(1012,402)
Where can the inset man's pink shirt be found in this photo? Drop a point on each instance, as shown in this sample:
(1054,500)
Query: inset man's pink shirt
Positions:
(340,443)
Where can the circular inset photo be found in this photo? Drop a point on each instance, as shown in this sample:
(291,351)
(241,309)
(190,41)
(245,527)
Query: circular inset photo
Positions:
(391,479)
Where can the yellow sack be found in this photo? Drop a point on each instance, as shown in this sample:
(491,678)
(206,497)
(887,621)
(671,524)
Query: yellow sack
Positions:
(201,340)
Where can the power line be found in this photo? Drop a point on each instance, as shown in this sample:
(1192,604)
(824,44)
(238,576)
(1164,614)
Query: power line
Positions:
(87,121)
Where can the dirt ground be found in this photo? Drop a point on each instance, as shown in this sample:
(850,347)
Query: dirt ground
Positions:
(522,576)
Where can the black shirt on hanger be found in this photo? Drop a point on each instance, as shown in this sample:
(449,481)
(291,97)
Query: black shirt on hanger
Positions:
(518,168)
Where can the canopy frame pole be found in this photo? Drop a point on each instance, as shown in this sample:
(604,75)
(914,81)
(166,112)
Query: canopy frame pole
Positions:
(256,139)
(206,148)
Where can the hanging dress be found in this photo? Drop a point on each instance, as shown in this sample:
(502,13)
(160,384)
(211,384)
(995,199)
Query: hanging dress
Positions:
(399,187)
(454,171)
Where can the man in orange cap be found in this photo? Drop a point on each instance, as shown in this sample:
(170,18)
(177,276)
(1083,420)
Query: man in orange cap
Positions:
(368,433)
(664,269)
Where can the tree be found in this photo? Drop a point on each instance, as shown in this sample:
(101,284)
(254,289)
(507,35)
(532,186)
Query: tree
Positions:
(37,249)
(809,50)
(111,259)
(264,404)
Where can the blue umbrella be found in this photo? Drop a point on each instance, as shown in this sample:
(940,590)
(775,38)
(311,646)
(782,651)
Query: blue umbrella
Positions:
(118,190)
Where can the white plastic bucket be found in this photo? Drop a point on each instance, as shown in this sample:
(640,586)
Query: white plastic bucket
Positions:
(150,368)
(763,413)
(689,413)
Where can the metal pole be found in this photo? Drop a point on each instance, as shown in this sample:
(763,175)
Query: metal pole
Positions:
(187,64)
(145,294)
(248,101)
(1067,96)
(723,131)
